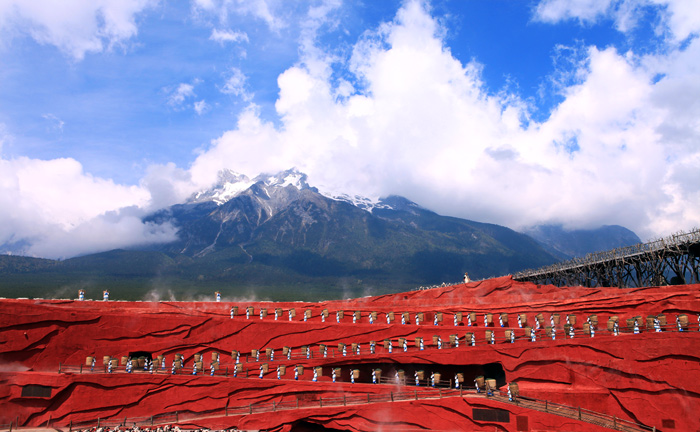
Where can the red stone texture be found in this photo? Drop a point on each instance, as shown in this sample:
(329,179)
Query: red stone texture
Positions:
(649,378)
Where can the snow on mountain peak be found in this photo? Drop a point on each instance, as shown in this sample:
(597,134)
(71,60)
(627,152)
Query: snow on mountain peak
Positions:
(231,184)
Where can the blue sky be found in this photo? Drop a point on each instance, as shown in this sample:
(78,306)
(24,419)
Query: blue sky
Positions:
(580,112)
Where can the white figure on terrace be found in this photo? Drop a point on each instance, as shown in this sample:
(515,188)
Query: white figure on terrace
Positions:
(554,333)
(592,331)
(520,321)
(279,373)
(454,319)
(636,327)
(456,381)
(272,355)
(486,320)
(371,347)
(493,337)
(290,314)
(247,313)
(354,318)
(374,376)
(323,317)
(473,340)
(337,317)
(500,320)
(435,321)
(388,318)
(405,345)
(533,336)
(417,319)
(422,346)
(571,332)
(232,312)
(261,371)
(391,346)
(657,325)
(512,337)
(466,277)
(415,376)
(333,374)
(315,378)
(403,319)
(439,342)
(325,351)
(551,320)
(616,329)
(457,342)
(345,351)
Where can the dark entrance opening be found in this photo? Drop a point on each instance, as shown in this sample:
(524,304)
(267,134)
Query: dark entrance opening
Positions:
(137,354)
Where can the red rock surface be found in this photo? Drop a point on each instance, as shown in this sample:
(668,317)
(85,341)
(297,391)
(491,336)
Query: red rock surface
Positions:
(649,378)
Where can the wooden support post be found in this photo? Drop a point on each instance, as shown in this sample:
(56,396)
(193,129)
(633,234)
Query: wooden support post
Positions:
(81,368)
(176,417)
(614,422)
(98,422)
(367,397)
(250,408)
(415,393)
(579,413)
(344,401)
(440,392)
(151,420)
(545,406)
(273,406)
(59,368)
(297,403)
(392,396)
(320,402)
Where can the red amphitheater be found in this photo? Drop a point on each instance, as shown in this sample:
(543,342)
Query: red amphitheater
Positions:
(543,358)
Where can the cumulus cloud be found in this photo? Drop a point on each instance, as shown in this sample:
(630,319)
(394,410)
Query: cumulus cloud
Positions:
(421,124)
(54,209)
(76,27)
(408,118)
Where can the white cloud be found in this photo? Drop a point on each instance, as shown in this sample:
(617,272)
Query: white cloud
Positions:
(412,120)
(56,123)
(54,209)
(616,150)
(76,27)
(179,94)
(259,9)
(236,85)
(201,107)
(680,18)
(223,36)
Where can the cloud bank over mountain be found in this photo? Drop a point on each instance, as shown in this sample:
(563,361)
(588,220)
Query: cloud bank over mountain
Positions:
(398,113)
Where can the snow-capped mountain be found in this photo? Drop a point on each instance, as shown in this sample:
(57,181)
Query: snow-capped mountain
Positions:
(231,184)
